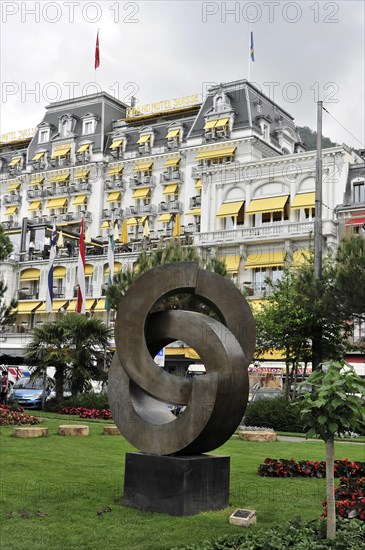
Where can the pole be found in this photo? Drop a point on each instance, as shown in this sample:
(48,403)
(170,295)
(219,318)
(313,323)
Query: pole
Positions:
(318,238)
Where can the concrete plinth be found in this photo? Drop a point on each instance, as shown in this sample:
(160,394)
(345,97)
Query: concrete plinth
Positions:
(34,431)
(258,436)
(176,485)
(73,430)
(111,430)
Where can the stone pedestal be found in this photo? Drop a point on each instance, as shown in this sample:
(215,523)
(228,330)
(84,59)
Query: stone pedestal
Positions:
(176,485)
(258,436)
(111,430)
(73,430)
(30,432)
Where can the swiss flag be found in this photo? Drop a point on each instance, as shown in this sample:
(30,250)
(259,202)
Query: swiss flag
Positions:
(97,52)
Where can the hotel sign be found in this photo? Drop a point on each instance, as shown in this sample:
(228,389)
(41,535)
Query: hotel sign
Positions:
(165,105)
(18,135)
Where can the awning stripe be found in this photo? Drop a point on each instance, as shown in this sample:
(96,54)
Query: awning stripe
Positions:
(230,209)
(263,206)
(266,259)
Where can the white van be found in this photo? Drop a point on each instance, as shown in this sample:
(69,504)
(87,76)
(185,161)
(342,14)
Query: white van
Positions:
(195,369)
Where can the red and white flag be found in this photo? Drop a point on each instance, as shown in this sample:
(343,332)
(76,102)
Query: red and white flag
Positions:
(97,52)
(81,290)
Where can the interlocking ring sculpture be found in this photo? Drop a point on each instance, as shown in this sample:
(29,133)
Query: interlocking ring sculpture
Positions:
(139,389)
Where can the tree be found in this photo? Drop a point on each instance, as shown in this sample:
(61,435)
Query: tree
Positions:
(350,270)
(335,406)
(309,138)
(7,315)
(5,245)
(75,345)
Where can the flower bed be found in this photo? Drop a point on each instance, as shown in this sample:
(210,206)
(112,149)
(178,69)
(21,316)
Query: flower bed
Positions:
(350,498)
(15,417)
(309,468)
(83,412)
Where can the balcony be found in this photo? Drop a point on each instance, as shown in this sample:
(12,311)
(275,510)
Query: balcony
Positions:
(36,193)
(58,292)
(257,290)
(117,183)
(138,180)
(195,202)
(216,167)
(173,207)
(28,294)
(80,188)
(172,144)
(141,210)
(170,175)
(70,217)
(12,198)
(116,212)
(88,291)
(60,162)
(11,224)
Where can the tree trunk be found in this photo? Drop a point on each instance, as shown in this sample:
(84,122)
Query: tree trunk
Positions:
(330,488)
(59,379)
(317,351)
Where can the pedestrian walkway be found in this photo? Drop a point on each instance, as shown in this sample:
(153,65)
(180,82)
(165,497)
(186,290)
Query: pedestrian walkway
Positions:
(294,439)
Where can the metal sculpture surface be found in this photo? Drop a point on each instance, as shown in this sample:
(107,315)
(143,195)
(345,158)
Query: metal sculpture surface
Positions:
(139,389)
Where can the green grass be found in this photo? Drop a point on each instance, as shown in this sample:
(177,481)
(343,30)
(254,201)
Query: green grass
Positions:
(71,478)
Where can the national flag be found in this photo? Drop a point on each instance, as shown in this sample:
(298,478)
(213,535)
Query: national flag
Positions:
(97,52)
(111,246)
(252,48)
(17,373)
(52,255)
(81,290)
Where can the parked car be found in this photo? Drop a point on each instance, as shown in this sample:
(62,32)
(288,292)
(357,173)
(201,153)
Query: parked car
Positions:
(27,392)
(266,393)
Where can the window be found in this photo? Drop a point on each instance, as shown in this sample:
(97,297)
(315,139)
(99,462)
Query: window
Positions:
(277,274)
(88,127)
(259,279)
(359,191)
(266,131)
(43,136)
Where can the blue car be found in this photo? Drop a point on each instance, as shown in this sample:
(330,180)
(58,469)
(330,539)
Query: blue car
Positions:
(27,392)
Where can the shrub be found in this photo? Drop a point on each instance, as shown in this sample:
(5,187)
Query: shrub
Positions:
(89,400)
(350,498)
(10,416)
(309,468)
(83,412)
(279,414)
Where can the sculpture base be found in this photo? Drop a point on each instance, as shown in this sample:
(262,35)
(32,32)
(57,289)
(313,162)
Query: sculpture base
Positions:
(176,485)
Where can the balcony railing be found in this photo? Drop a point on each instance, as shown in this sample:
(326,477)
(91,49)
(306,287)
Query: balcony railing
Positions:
(10,224)
(80,188)
(27,294)
(195,202)
(36,193)
(58,292)
(12,198)
(140,181)
(88,290)
(116,212)
(75,216)
(141,210)
(170,175)
(170,206)
(117,183)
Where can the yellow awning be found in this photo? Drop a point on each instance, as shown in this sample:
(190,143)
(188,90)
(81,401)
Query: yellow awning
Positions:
(80,199)
(14,185)
(82,174)
(173,133)
(30,274)
(59,202)
(59,272)
(143,167)
(100,306)
(56,306)
(164,218)
(59,178)
(27,307)
(230,209)
(34,205)
(113,197)
(115,170)
(36,180)
(61,151)
(232,263)
(170,189)
(144,139)
(15,161)
(88,304)
(172,162)
(194,212)
(262,206)
(117,268)
(38,156)
(189,353)
(266,259)
(216,153)
(210,124)
(105,224)
(132,221)
(89,270)
(117,143)
(11,210)
(222,122)
(198,184)
(300,257)
(303,200)
(141,193)
(83,148)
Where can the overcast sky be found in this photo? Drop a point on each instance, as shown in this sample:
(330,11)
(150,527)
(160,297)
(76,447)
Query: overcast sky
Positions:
(168,49)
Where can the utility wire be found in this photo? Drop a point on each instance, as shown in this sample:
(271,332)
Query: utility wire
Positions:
(338,122)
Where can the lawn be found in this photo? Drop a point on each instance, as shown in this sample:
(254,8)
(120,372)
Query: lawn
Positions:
(70,479)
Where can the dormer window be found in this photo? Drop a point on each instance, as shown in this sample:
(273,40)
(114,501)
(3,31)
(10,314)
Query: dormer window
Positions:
(216,129)
(117,147)
(66,125)
(88,127)
(358,190)
(266,132)
(43,136)
(173,138)
(144,143)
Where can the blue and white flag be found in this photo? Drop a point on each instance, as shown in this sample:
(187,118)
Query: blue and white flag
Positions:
(111,246)
(52,255)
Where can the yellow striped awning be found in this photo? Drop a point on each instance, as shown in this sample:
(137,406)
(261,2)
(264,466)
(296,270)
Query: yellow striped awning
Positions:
(144,167)
(198,184)
(15,161)
(263,206)
(59,202)
(132,221)
(105,224)
(59,178)
(194,212)
(230,209)
(222,122)
(164,218)
(14,185)
(116,143)
(232,263)
(83,148)
(188,353)
(56,306)
(30,274)
(88,304)
(170,189)
(89,270)
(117,268)
(114,170)
(36,180)
(210,124)
(265,259)
(172,162)
(216,153)
(59,272)
(144,139)
(34,205)
(11,210)
(173,133)
(82,174)
(61,151)
(27,307)
(38,156)
(100,306)
(300,257)
(79,199)
(141,193)
(113,197)
(303,200)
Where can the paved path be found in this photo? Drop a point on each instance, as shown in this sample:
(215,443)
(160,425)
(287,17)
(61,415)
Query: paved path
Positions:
(301,439)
